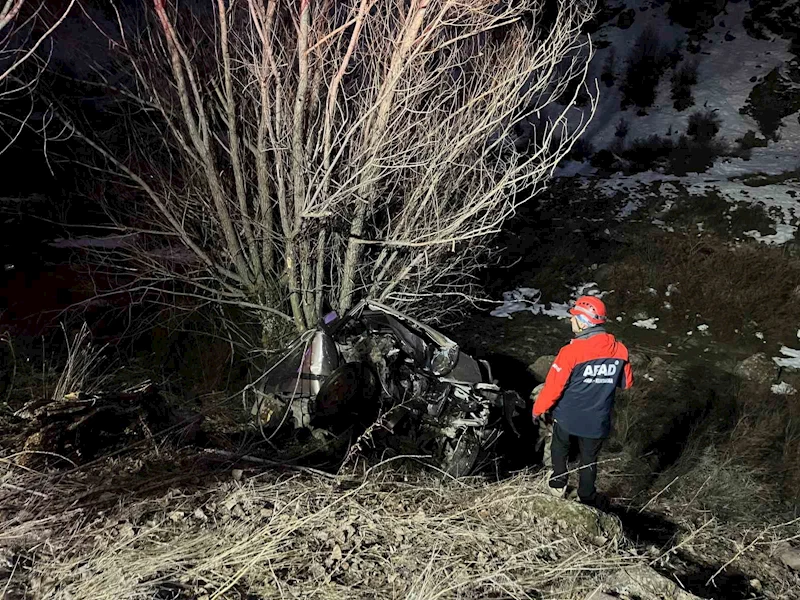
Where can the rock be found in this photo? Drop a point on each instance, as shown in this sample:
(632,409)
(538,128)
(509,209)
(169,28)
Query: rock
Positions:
(789,555)
(336,554)
(638,360)
(177,515)
(758,369)
(317,571)
(598,595)
(578,519)
(541,366)
(237,474)
(643,583)
(658,365)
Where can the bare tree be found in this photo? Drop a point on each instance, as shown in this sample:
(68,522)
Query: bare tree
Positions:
(40,23)
(288,157)
(24,27)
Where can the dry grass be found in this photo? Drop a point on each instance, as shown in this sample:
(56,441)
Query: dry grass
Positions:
(389,536)
(766,437)
(731,516)
(730,287)
(81,373)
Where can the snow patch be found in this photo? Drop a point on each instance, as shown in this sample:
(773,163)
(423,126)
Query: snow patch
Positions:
(525,299)
(725,70)
(783,388)
(110,242)
(589,289)
(518,300)
(646,323)
(571,168)
(790,358)
(728,69)
(783,233)
(668,191)
(630,207)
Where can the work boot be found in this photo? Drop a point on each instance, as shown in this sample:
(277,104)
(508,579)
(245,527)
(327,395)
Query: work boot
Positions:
(557,492)
(600,501)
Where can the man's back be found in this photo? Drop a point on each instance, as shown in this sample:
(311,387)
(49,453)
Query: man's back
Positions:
(582,383)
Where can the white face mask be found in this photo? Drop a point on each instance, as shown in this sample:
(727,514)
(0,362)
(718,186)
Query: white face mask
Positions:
(576,325)
(579,325)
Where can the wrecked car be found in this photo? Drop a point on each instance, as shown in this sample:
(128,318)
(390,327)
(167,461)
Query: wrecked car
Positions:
(376,366)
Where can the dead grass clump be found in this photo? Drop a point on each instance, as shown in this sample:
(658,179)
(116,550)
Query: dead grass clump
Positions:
(744,468)
(729,287)
(730,513)
(717,482)
(767,437)
(81,370)
(387,536)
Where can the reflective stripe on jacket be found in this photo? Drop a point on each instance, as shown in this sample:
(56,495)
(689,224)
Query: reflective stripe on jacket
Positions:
(582,383)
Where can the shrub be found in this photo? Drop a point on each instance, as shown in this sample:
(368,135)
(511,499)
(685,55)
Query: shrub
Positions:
(575,89)
(694,14)
(776,97)
(646,153)
(703,126)
(607,76)
(621,130)
(646,64)
(238,239)
(695,155)
(674,56)
(626,18)
(682,81)
(751,140)
(582,150)
(604,160)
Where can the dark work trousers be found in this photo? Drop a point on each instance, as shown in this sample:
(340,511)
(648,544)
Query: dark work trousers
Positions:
(589,449)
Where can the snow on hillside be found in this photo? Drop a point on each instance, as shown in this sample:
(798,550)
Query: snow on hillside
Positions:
(730,63)
(725,69)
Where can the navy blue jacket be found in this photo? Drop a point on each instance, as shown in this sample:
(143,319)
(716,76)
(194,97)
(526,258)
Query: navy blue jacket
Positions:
(583,381)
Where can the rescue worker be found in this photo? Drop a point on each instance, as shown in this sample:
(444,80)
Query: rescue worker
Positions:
(580,388)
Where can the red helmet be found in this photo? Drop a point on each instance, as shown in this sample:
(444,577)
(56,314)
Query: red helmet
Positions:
(591,308)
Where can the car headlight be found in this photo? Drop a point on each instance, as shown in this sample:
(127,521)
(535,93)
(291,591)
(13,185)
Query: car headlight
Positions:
(444,360)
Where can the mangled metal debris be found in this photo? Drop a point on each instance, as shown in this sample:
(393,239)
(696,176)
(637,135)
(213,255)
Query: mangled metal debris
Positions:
(376,364)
